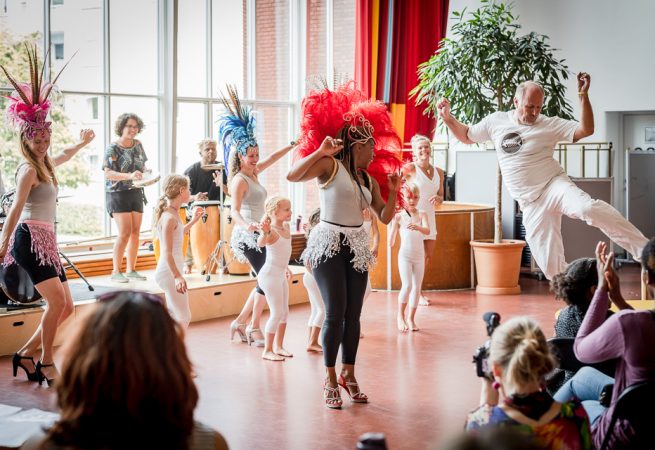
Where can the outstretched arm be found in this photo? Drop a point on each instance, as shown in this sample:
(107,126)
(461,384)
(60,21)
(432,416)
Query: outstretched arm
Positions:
(586,127)
(459,130)
(86,136)
(272,158)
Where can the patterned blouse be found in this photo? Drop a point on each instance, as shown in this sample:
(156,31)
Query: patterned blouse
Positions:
(568,431)
(123,160)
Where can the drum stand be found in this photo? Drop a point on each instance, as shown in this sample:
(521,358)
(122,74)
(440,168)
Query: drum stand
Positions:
(217,258)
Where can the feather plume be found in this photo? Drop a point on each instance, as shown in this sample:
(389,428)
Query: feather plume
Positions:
(236,126)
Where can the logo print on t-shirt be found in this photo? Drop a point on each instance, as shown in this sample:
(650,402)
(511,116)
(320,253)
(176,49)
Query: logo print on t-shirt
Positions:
(511,143)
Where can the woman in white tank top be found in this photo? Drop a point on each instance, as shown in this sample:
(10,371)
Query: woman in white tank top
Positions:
(429,180)
(274,275)
(171,230)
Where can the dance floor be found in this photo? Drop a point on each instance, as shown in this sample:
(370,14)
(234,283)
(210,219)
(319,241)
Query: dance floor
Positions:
(421,384)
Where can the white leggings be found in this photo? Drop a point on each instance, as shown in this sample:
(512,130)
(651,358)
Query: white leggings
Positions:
(273,281)
(411,276)
(317,313)
(178,304)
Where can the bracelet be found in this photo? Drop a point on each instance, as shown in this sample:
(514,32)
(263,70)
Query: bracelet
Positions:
(293,143)
(581,93)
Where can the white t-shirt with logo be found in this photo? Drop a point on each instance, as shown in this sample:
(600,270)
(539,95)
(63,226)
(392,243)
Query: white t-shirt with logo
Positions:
(525,152)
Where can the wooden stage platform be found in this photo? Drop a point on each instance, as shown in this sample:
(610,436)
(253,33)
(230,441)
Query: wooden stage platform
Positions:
(223,295)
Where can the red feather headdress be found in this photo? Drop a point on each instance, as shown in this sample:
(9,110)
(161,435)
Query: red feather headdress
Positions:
(324,112)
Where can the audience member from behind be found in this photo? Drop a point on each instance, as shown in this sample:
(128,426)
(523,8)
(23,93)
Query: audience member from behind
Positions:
(126,382)
(519,359)
(626,337)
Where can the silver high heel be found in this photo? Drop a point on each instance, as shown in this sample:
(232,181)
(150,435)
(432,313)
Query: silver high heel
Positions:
(250,339)
(238,328)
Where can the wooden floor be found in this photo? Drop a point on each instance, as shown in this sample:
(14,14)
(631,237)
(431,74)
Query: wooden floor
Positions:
(421,384)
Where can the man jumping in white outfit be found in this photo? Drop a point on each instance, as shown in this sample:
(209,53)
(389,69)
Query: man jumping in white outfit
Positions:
(525,140)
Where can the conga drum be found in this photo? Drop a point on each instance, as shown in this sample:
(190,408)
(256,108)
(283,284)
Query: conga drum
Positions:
(156,245)
(205,233)
(234,266)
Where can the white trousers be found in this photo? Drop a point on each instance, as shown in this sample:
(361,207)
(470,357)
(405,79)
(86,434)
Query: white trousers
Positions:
(178,304)
(411,270)
(543,223)
(317,313)
(273,281)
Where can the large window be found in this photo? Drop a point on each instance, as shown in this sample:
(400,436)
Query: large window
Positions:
(118,54)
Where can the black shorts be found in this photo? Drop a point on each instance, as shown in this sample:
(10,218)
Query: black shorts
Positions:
(22,253)
(130,200)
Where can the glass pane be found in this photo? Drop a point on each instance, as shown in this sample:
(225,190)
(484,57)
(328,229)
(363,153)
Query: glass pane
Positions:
(343,38)
(192,49)
(147,110)
(228,44)
(190,131)
(76,26)
(133,51)
(316,40)
(272,50)
(81,207)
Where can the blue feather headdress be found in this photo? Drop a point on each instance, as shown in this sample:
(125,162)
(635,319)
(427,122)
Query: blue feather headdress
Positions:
(236,126)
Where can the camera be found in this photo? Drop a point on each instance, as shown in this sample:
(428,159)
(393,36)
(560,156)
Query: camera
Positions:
(481,356)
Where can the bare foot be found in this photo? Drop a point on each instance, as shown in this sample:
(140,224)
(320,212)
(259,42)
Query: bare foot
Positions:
(272,356)
(412,325)
(402,326)
(314,348)
(422,301)
(282,352)
(188,269)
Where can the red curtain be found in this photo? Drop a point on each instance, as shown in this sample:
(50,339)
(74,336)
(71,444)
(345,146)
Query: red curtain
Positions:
(392,38)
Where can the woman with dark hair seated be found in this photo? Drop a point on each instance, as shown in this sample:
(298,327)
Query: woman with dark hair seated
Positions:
(626,337)
(126,382)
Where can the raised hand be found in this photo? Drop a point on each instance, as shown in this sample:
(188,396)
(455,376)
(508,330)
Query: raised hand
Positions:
(443,108)
(330,146)
(218,177)
(265,226)
(602,262)
(584,80)
(86,136)
(394,181)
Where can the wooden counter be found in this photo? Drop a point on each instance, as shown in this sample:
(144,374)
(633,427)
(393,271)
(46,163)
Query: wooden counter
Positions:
(451,265)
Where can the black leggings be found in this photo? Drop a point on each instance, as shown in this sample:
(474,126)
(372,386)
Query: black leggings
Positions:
(342,289)
(256,260)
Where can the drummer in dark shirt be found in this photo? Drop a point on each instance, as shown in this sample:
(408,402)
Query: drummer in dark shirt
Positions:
(204,183)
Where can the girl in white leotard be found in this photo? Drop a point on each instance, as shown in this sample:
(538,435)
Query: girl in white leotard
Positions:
(317,307)
(371,227)
(413,226)
(273,276)
(170,230)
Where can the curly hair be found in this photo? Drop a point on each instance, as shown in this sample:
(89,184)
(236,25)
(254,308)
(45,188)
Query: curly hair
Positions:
(648,258)
(126,380)
(572,285)
(121,121)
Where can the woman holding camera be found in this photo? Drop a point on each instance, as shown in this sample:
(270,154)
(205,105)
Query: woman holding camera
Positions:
(519,359)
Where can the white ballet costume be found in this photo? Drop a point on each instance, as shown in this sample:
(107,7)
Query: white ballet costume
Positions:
(178,304)
(272,279)
(428,188)
(317,313)
(411,261)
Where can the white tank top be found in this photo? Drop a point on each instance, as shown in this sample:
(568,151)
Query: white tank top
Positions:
(342,201)
(278,254)
(411,241)
(253,203)
(427,187)
(178,238)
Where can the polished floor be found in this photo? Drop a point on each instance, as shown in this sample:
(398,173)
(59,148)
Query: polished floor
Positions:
(421,384)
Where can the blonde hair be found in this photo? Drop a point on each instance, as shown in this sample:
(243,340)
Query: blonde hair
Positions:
(206,141)
(44,174)
(519,347)
(171,187)
(271,206)
(521,88)
(415,141)
(411,188)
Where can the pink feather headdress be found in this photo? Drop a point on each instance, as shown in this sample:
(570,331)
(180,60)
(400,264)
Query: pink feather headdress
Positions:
(28,103)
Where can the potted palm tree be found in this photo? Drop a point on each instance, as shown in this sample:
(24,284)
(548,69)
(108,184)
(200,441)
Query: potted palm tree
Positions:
(478,69)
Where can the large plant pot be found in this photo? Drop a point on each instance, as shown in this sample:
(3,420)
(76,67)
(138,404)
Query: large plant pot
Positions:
(498,266)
